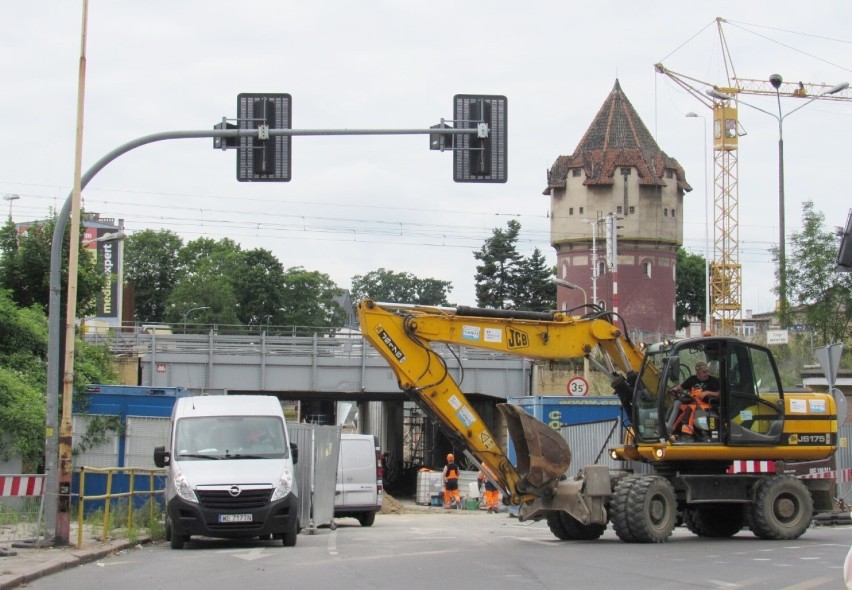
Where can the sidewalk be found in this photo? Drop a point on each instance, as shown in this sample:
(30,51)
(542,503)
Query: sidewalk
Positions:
(21,563)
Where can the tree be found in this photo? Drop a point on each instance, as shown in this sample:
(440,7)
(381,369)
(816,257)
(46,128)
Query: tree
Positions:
(151,266)
(533,289)
(25,267)
(822,295)
(23,378)
(203,286)
(495,277)
(691,288)
(403,287)
(308,299)
(259,286)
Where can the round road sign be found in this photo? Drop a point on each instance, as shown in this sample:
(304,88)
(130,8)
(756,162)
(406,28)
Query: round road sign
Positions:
(578,386)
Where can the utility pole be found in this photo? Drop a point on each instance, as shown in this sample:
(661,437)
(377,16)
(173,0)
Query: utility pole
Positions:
(612,256)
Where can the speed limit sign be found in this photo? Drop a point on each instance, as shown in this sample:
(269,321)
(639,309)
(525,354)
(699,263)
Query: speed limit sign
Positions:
(578,386)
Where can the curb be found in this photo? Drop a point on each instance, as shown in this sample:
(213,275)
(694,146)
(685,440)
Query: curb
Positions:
(61,559)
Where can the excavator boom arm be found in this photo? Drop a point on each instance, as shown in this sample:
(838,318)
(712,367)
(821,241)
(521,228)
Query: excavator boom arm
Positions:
(404,334)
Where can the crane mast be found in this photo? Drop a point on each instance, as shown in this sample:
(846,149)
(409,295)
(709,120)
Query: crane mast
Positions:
(725,278)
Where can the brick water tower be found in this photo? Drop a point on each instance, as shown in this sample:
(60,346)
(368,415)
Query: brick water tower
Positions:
(618,174)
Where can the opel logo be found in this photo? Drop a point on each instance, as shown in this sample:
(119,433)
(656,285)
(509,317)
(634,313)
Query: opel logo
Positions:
(234,491)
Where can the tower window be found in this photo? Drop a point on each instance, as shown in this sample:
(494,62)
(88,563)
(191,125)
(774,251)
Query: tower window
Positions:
(570,210)
(673,212)
(669,174)
(625,171)
(665,212)
(631,209)
(580,210)
(575,172)
(619,209)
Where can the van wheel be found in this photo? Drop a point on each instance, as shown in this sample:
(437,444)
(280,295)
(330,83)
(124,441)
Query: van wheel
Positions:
(176,542)
(289,538)
(367,518)
(168,533)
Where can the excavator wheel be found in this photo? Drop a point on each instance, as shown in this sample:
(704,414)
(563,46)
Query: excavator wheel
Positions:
(644,509)
(717,522)
(782,508)
(618,508)
(568,528)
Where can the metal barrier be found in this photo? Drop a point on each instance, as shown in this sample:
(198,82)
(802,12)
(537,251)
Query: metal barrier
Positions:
(21,507)
(108,496)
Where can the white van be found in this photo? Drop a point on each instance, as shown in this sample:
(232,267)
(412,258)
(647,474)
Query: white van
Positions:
(359,490)
(230,470)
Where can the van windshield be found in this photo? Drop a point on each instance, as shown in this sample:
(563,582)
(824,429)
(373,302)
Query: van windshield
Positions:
(230,437)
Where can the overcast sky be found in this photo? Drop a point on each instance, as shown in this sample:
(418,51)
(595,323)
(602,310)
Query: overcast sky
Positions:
(356,204)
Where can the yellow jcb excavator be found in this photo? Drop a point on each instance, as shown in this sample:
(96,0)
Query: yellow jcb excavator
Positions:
(753,419)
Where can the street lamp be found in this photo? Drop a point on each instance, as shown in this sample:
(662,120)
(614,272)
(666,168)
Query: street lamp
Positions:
(706,228)
(566,284)
(11,198)
(776,80)
(189,312)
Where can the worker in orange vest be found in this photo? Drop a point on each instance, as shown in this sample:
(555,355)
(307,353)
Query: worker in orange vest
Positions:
(491,493)
(452,499)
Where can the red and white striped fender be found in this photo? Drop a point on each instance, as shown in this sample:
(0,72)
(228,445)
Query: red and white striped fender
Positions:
(21,485)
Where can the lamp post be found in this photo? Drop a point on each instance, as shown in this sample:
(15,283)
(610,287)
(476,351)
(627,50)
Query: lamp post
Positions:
(706,228)
(594,224)
(189,312)
(568,285)
(11,198)
(776,80)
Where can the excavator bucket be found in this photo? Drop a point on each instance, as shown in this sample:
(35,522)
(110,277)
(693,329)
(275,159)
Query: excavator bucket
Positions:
(543,456)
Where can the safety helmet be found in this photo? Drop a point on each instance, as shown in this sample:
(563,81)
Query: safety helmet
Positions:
(450,458)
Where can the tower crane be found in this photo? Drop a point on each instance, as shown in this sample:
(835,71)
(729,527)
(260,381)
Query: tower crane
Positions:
(725,269)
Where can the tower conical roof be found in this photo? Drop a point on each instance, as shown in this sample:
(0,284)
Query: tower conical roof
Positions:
(617,137)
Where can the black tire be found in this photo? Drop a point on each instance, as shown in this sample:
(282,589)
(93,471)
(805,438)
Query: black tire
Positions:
(568,528)
(618,508)
(168,532)
(782,509)
(289,538)
(177,541)
(366,518)
(651,509)
(716,522)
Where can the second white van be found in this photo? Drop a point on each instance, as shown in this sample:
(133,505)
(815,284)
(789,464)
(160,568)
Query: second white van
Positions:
(359,491)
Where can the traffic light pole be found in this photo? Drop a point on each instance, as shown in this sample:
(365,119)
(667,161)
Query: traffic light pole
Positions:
(58,457)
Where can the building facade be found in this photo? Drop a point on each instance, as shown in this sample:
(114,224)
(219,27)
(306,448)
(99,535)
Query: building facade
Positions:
(619,171)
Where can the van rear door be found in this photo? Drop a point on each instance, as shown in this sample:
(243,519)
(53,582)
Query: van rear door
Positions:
(356,473)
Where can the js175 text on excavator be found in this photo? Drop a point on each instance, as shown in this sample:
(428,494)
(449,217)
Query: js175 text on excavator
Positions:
(690,477)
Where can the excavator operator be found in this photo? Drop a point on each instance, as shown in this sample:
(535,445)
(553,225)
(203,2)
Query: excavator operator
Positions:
(699,391)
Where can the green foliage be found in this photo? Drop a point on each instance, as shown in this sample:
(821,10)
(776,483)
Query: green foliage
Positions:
(402,287)
(308,299)
(494,278)
(691,287)
(819,295)
(23,378)
(25,267)
(151,266)
(533,288)
(258,287)
(507,280)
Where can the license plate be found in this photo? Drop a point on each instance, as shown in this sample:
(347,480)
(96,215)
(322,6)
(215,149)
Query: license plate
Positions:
(235,518)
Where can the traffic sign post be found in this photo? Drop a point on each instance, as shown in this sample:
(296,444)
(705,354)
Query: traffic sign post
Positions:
(577,386)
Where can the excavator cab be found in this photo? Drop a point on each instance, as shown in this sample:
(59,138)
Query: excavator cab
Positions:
(749,409)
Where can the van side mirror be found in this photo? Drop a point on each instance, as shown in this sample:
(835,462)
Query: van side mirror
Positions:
(161,457)
(294,452)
